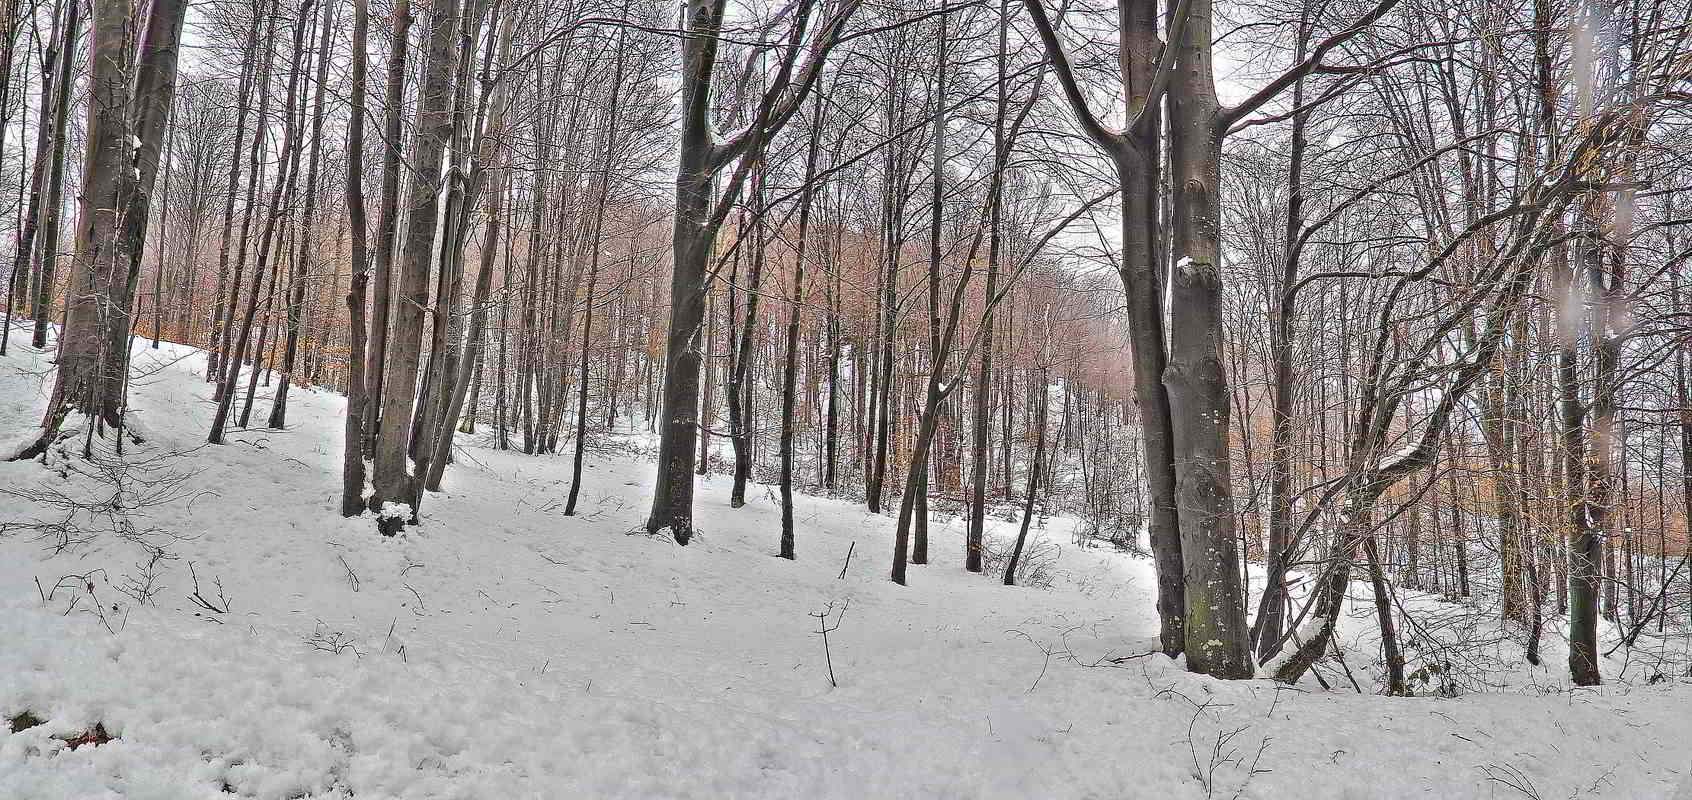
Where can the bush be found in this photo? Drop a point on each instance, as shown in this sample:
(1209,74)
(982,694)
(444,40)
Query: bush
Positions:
(1036,568)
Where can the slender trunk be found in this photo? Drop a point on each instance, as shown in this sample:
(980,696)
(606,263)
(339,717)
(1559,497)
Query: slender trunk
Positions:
(1038,458)
(471,356)
(53,212)
(790,366)
(387,224)
(297,282)
(273,219)
(593,244)
(738,396)
(47,130)
(442,396)
(259,77)
(1396,684)
(358,394)
(1271,608)
(937,209)
(981,419)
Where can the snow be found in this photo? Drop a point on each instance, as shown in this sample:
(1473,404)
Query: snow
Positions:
(503,650)
(393,510)
(1398,457)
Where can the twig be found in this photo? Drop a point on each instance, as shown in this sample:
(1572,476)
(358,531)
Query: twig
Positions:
(200,600)
(420,607)
(1512,777)
(848,563)
(352,577)
(824,628)
(1046,650)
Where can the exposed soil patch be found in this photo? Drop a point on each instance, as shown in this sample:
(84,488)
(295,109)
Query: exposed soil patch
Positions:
(23,721)
(96,736)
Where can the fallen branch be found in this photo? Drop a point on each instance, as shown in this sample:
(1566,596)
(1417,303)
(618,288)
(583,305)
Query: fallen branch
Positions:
(200,600)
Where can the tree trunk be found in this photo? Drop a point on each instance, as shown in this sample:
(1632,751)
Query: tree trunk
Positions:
(236,355)
(1037,463)
(358,394)
(49,129)
(738,396)
(699,214)
(394,485)
(790,366)
(387,224)
(981,418)
(1217,638)
(90,379)
(259,76)
(297,282)
(52,215)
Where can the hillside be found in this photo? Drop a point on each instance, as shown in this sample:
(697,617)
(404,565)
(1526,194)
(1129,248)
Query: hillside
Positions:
(503,650)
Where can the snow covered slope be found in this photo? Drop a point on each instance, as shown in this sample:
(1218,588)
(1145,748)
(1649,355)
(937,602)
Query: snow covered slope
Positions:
(503,650)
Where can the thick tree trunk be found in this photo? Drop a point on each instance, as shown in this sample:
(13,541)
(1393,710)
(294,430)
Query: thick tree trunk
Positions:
(393,482)
(1586,545)
(1217,637)
(155,92)
(672,497)
(90,379)
(433,422)
(1135,152)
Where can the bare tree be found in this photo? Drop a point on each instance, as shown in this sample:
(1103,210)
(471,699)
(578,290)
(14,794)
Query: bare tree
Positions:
(701,210)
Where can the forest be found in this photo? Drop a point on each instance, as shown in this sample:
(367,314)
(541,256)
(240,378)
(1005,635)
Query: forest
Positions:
(1349,340)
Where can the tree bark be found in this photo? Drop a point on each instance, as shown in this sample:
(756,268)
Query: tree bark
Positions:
(51,217)
(1217,637)
(90,375)
(387,224)
(297,281)
(393,482)
(699,213)
(358,392)
(49,128)
(790,365)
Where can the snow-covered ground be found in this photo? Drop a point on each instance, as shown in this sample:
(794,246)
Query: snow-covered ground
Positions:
(503,650)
